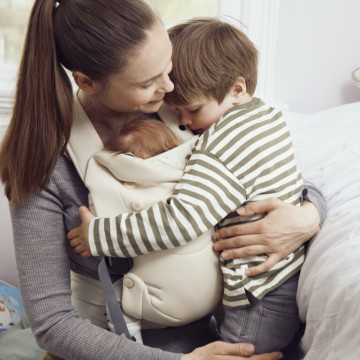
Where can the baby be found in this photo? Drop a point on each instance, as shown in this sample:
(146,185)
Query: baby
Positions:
(143,138)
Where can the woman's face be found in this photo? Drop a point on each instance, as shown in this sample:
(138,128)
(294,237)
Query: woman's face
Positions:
(142,84)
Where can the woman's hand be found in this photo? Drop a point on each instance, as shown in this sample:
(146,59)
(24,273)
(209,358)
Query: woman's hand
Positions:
(223,351)
(79,236)
(284,228)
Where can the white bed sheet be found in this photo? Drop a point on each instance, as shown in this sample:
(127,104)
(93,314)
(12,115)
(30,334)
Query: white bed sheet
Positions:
(327,148)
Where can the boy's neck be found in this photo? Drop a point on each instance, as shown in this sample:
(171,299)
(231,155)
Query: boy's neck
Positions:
(245,99)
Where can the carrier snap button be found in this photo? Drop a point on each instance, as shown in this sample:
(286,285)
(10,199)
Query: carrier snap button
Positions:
(129,283)
(129,185)
(137,205)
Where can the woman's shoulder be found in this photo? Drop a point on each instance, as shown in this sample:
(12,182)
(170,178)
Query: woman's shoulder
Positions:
(65,180)
(65,169)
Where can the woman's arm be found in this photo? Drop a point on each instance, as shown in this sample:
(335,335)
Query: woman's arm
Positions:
(221,351)
(280,232)
(43,261)
(42,254)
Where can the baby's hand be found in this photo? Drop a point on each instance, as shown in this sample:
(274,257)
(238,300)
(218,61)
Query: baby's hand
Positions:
(79,236)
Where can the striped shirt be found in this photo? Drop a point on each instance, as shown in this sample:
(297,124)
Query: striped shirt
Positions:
(245,156)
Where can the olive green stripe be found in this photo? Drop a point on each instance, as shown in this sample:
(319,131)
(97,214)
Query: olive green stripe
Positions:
(272,147)
(155,229)
(286,196)
(277,183)
(205,139)
(252,176)
(131,237)
(268,274)
(143,235)
(227,186)
(97,240)
(209,208)
(213,205)
(237,113)
(119,238)
(227,180)
(240,121)
(236,120)
(230,298)
(237,144)
(276,285)
(298,253)
(168,230)
(267,171)
(240,283)
(108,237)
(191,219)
(184,233)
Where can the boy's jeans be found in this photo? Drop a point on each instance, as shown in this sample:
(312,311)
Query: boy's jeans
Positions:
(269,323)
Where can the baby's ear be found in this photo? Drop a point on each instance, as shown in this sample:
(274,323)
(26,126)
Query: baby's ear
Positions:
(84,83)
(238,91)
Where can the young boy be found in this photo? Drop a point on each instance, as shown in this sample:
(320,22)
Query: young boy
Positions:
(244,154)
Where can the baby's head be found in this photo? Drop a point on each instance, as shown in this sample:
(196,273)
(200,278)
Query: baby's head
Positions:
(144,138)
(214,68)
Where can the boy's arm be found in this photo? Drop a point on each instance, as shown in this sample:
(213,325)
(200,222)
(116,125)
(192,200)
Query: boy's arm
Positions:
(207,192)
(79,236)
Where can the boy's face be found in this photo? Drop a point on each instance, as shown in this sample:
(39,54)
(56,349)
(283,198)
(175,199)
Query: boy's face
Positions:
(199,115)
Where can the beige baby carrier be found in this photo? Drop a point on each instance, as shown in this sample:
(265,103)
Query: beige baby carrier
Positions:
(171,287)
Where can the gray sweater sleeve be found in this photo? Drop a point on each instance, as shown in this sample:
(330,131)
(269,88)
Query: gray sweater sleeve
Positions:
(314,195)
(44,260)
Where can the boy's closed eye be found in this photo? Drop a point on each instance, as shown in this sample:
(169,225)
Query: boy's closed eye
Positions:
(195,110)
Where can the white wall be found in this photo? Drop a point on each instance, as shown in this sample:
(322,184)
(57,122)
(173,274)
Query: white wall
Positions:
(8,271)
(318,47)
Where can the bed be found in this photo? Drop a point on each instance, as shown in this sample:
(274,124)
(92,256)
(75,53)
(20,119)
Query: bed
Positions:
(327,149)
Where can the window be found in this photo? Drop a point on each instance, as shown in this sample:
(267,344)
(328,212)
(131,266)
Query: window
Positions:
(173,11)
(13,21)
(14,16)
(259,16)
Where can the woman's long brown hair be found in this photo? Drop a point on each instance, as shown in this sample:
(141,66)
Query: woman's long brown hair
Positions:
(91,36)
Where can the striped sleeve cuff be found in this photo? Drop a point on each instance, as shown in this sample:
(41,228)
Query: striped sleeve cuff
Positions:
(91,237)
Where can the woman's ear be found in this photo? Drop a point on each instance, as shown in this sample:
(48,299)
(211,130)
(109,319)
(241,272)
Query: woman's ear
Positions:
(85,83)
(238,91)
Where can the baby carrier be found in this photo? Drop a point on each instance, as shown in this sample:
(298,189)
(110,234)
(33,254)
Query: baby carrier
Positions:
(170,287)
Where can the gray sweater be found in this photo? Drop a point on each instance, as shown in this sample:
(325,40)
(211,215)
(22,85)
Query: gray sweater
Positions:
(44,259)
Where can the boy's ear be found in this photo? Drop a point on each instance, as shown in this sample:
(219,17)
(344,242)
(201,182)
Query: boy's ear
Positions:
(84,83)
(238,91)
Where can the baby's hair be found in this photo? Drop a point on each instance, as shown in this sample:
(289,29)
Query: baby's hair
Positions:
(143,138)
(209,54)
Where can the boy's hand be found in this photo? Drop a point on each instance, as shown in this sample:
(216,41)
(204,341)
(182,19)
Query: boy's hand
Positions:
(79,236)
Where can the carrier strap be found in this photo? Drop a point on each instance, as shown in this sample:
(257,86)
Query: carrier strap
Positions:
(114,306)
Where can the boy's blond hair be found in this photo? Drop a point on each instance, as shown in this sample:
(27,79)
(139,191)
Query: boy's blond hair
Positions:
(208,55)
(143,137)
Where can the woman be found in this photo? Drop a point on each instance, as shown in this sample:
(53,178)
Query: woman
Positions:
(120,58)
